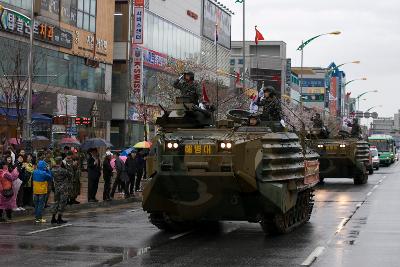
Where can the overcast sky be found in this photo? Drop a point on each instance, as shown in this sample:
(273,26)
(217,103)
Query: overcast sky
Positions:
(370,33)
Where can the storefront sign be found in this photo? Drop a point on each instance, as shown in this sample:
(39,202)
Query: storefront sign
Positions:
(214,15)
(307,82)
(45,32)
(138,25)
(89,45)
(314,90)
(139,3)
(137,73)
(154,59)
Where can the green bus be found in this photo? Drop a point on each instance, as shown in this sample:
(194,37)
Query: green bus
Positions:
(386,146)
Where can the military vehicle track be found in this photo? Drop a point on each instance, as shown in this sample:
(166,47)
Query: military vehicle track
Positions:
(287,222)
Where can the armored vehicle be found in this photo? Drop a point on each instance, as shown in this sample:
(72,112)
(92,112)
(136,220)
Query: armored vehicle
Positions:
(341,156)
(228,170)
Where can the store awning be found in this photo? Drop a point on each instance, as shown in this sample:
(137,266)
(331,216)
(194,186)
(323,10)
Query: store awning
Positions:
(11,113)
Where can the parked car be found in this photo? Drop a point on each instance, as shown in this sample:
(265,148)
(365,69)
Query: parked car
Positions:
(375,157)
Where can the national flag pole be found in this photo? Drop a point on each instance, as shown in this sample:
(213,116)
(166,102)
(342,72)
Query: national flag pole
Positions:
(216,65)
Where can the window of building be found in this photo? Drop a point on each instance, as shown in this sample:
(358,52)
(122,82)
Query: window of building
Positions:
(24,4)
(240,61)
(233,62)
(86,15)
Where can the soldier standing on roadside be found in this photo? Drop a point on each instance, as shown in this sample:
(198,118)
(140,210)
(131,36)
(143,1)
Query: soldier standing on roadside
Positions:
(62,178)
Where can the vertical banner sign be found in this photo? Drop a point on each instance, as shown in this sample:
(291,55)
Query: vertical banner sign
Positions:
(138,25)
(137,74)
(333,96)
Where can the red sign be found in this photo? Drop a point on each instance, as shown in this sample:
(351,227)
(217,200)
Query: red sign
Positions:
(139,2)
(192,14)
(333,96)
(83,121)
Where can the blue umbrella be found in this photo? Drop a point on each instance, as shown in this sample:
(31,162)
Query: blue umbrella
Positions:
(95,143)
(128,151)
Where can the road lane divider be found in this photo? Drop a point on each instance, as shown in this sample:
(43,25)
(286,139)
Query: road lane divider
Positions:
(313,256)
(180,235)
(49,229)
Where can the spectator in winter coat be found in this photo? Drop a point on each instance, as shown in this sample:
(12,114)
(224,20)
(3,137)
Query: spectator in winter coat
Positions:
(140,165)
(121,178)
(7,202)
(41,178)
(130,165)
(94,173)
(107,176)
(22,176)
(28,190)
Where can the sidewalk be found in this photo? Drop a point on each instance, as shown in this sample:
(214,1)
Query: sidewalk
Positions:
(119,199)
(372,236)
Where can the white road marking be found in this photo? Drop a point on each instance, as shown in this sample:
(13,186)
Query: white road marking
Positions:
(375,187)
(359,205)
(369,193)
(380,181)
(180,235)
(48,229)
(313,256)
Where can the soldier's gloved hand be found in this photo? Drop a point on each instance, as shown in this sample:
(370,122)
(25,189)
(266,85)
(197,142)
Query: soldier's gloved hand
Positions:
(181,77)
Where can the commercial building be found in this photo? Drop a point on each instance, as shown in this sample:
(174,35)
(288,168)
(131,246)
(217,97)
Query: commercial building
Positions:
(72,55)
(383,126)
(265,63)
(323,89)
(167,37)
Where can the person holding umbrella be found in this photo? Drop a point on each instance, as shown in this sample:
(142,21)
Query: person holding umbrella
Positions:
(122,176)
(94,173)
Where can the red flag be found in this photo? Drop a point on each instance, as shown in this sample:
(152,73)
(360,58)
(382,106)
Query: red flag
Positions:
(259,36)
(204,92)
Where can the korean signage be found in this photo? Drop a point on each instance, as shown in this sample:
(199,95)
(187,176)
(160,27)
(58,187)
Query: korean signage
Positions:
(154,59)
(333,96)
(307,82)
(214,15)
(137,73)
(88,45)
(45,32)
(139,3)
(314,90)
(138,25)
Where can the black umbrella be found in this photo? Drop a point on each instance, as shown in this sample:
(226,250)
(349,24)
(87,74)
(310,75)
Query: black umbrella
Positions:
(95,143)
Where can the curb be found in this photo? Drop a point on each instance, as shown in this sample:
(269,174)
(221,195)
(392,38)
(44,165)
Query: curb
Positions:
(79,207)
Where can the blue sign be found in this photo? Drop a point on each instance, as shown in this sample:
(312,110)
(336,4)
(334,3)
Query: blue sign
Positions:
(308,82)
(72,130)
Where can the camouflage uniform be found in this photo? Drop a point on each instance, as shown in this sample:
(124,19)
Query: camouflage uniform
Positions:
(74,188)
(189,89)
(62,178)
(272,110)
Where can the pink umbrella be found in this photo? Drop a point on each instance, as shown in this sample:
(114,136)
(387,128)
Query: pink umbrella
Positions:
(14,141)
(123,158)
(70,141)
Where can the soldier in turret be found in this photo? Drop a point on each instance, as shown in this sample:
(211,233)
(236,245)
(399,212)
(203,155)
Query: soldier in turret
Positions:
(272,110)
(356,129)
(188,87)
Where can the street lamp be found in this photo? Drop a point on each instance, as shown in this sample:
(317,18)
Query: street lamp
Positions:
(360,79)
(359,96)
(340,65)
(301,48)
(378,106)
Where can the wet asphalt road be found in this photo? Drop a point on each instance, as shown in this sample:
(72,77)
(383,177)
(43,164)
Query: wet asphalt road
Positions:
(350,226)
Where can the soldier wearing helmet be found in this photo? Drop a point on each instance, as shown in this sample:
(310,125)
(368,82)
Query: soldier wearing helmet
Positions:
(272,110)
(188,87)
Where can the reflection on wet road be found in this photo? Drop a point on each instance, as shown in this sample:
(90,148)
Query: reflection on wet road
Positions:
(123,236)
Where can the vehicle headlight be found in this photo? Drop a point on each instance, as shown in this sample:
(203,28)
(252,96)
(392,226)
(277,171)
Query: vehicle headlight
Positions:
(342,145)
(169,145)
(175,145)
(228,145)
(320,146)
(222,145)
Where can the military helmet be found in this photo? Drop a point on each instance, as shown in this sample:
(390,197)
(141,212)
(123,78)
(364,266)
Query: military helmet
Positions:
(191,75)
(270,89)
